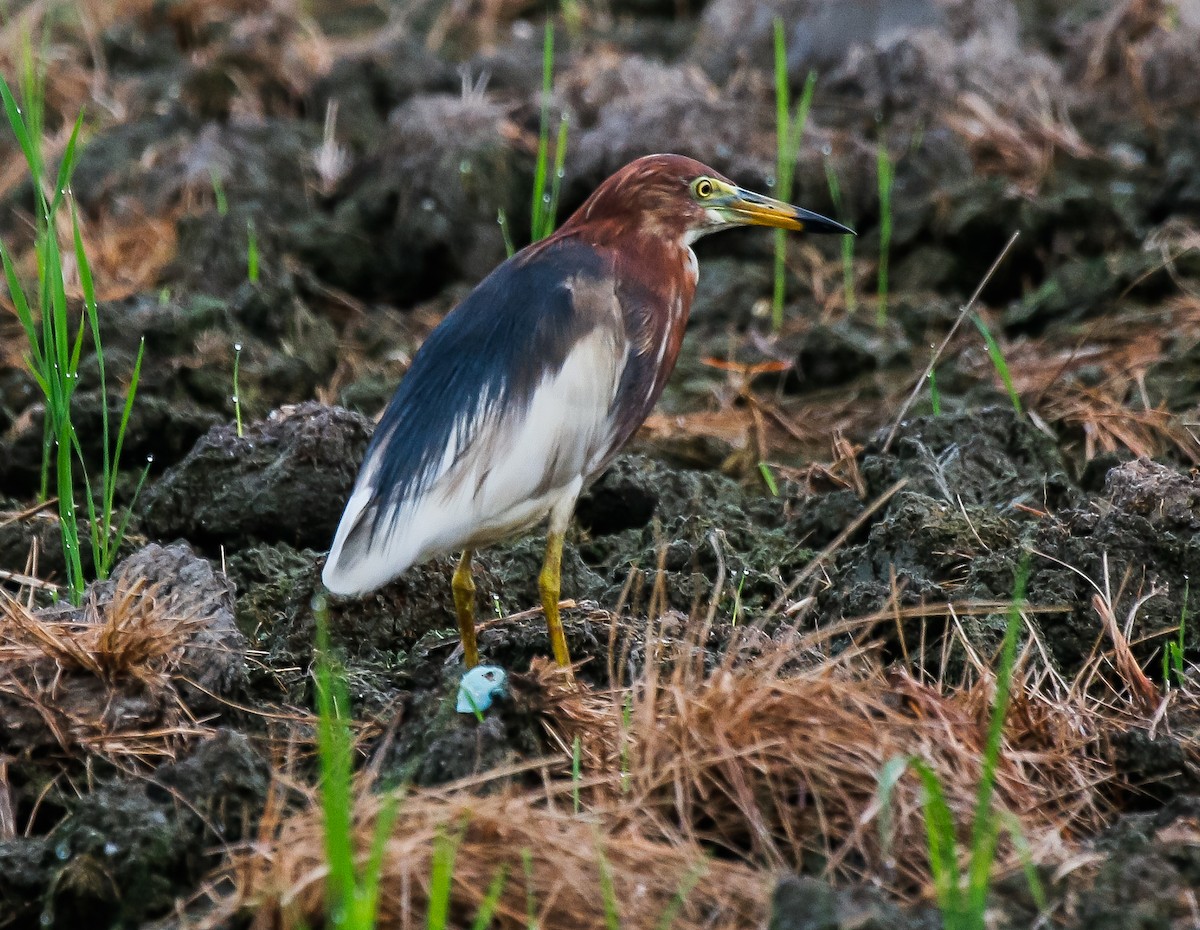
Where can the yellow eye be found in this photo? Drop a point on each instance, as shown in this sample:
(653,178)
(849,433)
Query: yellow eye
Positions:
(703,188)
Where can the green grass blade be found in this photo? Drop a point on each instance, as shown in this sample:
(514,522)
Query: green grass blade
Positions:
(237,394)
(441,879)
(491,899)
(675,905)
(531,906)
(251,252)
(576,772)
(608,892)
(108,466)
(538,206)
(119,537)
(17,294)
(550,219)
(66,166)
(218,189)
(835,195)
(334,748)
(1012,827)
(935,396)
(998,362)
(783,179)
(24,139)
(505,233)
(768,478)
(889,776)
(942,843)
(367,898)
(886,176)
(984,831)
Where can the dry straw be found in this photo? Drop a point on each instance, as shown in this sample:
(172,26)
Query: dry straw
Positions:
(759,767)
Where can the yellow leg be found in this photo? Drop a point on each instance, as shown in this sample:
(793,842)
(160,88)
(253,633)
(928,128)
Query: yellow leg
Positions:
(463,587)
(550,584)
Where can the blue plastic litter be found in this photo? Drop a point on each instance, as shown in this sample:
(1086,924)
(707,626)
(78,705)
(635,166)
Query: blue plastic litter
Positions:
(480,687)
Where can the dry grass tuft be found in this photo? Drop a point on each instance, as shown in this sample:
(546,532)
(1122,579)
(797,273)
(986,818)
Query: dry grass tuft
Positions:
(769,763)
(283,879)
(1016,137)
(774,764)
(101,680)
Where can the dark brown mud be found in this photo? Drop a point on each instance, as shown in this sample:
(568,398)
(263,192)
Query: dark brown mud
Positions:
(364,164)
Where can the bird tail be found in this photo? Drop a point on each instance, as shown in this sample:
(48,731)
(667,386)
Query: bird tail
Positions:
(365,556)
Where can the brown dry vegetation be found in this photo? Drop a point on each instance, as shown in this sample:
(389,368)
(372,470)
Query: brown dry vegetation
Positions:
(707,775)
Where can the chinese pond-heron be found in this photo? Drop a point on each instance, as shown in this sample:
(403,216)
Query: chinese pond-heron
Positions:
(529,387)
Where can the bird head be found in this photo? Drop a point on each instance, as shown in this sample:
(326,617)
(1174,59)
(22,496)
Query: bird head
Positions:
(680,198)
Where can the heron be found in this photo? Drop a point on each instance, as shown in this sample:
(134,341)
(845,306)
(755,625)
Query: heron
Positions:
(527,389)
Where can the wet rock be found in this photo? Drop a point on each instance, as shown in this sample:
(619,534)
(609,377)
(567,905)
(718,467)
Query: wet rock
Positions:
(1167,499)
(285,480)
(421,211)
(804,903)
(366,88)
(989,457)
(827,355)
(171,650)
(159,432)
(957,530)
(628,106)
(24,863)
(1175,379)
(1147,870)
(438,744)
(126,851)
(963,536)
(703,526)
(827,35)
(728,290)
(212,662)
(1076,290)
(263,168)
(1140,539)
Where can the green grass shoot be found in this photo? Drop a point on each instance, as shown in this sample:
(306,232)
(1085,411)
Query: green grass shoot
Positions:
(576,772)
(353,894)
(237,394)
(789,133)
(886,175)
(998,362)
(675,905)
(608,891)
(768,478)
(962,897)
(251,252)
(54,351)
(218,189)
(1173,652)
(935,396)
(835,194)
(737,598)
(531,905)
(626,724)
(548,176)
(441,880)
(505,232)
(491,900)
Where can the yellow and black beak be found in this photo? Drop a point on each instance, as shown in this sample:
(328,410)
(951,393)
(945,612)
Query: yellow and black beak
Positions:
(746,208)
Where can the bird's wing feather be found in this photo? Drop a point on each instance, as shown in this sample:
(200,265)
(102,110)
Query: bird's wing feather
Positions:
(503,408)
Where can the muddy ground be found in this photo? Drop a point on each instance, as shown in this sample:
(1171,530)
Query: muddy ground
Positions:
(366,149)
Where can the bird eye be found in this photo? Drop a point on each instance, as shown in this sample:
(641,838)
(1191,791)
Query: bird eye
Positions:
(703,188)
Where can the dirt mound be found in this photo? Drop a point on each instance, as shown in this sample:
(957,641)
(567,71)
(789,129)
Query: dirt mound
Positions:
(285,480)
